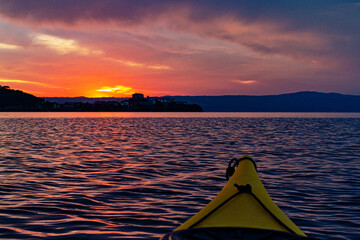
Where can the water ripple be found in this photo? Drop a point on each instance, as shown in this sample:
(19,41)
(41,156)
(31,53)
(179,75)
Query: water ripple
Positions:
(138,178)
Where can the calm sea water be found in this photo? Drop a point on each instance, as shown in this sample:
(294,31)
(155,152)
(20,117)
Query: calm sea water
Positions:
(139,175)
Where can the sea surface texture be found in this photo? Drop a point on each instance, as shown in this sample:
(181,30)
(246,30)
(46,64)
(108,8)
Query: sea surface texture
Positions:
(138,177)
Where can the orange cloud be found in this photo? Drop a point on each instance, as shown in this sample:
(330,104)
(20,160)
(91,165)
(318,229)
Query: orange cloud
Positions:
(27,82)
(137,64)
(159,67)
(245,81)
(62,45)
(9,46)
(128,63)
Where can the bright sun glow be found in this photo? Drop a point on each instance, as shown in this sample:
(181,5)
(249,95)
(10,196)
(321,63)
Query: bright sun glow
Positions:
(117,90)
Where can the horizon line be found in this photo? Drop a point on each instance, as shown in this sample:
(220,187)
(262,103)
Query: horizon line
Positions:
(224,95)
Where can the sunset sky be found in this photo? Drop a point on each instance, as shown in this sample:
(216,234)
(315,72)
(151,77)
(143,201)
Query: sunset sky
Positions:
(100,48)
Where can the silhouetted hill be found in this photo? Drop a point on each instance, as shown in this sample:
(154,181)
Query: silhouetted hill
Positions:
(292,102)
(13,100)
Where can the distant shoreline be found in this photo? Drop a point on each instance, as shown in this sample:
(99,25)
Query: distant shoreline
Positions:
(308,102)
(18,101)
(311,102)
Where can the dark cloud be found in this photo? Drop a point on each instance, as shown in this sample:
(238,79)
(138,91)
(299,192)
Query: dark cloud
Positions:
(69,11)
(328,16)
(297,12)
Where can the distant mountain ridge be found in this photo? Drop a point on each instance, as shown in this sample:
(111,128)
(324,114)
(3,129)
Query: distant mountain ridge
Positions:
(290,102)
(306,101)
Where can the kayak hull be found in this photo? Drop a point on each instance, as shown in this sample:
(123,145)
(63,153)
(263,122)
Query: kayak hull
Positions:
(243,209)
(230,233)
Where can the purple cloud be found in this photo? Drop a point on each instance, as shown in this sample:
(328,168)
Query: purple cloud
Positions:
(325,18)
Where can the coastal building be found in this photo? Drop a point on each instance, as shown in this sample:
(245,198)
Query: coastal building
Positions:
(138,96)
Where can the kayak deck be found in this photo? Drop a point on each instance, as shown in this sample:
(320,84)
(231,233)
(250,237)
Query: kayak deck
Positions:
(241,207)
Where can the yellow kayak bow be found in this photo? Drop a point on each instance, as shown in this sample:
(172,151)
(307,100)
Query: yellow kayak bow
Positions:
(242,210)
